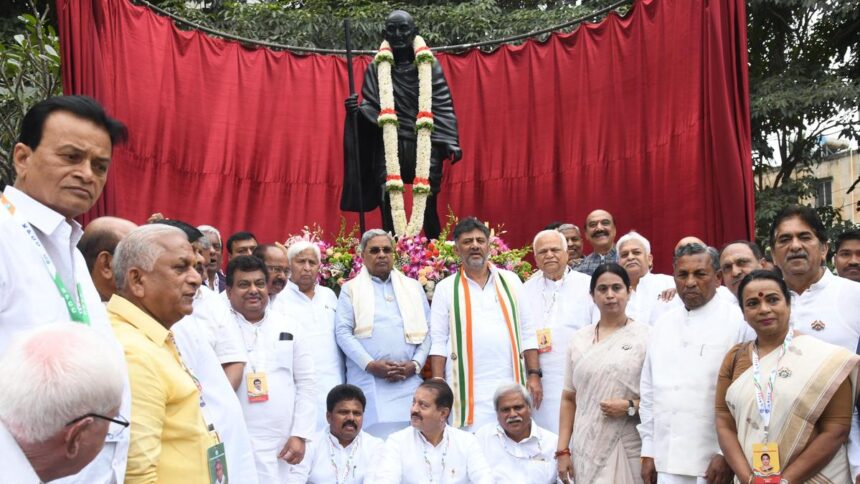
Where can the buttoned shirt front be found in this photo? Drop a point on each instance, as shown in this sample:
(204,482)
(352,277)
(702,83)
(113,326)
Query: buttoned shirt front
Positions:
(327,461)
(829,310)
(678,385)
(387,402)
(16,467)
(29,299)
(316,318)
(408,458)
(169,438)
(492,361)
(558,309)
(531,460)
(591,261)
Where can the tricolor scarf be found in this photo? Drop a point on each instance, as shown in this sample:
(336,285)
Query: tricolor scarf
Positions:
(462,344)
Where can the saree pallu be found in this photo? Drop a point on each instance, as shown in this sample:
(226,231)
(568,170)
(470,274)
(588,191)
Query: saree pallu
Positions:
(604,449)
(808,376)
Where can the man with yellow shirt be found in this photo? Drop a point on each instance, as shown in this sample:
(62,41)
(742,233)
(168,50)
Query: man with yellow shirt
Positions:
(172,439)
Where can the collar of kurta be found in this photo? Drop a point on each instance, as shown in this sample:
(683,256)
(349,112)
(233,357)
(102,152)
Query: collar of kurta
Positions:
(295,288)
(821,284)
(336,442)
(127,312)
(532,433)
(40,216)
(705,310)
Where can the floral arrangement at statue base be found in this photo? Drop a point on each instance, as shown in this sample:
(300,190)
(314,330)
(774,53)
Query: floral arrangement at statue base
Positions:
(428,261)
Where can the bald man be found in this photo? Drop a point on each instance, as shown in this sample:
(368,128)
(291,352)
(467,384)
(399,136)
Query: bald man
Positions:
(97,245)
(600,232)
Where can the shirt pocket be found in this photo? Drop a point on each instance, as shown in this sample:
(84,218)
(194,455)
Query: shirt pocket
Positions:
(283,354)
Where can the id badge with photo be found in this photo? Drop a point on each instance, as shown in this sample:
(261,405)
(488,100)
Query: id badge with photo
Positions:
(257,387)
(544,338)
(216,458)
(766,463)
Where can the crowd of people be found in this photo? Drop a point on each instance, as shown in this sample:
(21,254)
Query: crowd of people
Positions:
(133,354)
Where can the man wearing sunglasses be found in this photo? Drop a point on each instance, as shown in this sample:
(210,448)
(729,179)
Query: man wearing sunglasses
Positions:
(52,424)
(381,325)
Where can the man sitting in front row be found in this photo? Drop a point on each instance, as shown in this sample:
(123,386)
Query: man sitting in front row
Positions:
(430,450)
(342,452)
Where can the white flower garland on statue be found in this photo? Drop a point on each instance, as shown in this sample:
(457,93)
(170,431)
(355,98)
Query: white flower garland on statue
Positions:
(387,119)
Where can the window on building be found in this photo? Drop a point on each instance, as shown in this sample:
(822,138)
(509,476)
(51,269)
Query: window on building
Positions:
(824,192)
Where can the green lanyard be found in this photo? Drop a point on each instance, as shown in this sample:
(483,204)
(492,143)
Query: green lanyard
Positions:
(77,309)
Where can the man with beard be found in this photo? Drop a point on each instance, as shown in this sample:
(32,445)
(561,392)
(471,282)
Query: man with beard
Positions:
(737,259)
(553,305)
(600,232)
(282,416)
(634,255)
(313,307)
(430,450)
(846,255)
(518,448)
(686,348)
(275,259)
(399,32)
(215,278)
(479,303)
(381,326)
(341,452)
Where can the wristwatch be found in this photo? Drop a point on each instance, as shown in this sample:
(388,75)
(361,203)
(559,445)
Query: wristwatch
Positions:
(417,367)
(631,410)
(536,371)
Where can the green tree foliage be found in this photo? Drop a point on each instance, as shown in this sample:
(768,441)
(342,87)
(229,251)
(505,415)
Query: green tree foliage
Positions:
(804,67)
(29,73)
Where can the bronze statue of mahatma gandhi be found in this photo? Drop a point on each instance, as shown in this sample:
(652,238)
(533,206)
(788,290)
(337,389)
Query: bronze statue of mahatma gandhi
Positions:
(400,34)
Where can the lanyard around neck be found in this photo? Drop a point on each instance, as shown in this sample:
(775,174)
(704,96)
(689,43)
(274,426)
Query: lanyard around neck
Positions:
(77,309)
(764,393)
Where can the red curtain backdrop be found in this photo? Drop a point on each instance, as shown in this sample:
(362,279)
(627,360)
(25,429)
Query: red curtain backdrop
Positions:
(646,116)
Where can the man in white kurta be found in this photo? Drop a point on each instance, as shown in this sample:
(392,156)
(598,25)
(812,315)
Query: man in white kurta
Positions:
(679,376)
(517,449)
(554,304)
(313,306)
(341,452)
(431,450)
(381,326)
(634,255)
(277,393)
(47,195)
(479,304)
(822,305)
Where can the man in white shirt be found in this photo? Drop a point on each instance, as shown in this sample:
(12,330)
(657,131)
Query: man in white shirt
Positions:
(678,387)
(53,423)
(341,452)
(431,450)
(517,449)
(381,326)
(554,304)
(480,304)
(313,307)
(822,305)
(280,409)
(61,162)
(737,259)
(193,335)
(276,261)
(634,255)
(97,246)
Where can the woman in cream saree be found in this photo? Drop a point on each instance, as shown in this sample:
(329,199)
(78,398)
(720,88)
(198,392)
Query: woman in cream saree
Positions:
(810,399)
(601,394)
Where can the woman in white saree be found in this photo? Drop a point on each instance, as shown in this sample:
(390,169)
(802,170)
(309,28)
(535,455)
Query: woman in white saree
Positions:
(784,388)
(600,401)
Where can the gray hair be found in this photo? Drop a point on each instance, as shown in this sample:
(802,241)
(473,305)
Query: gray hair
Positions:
(204,242)
(506,388)
(55,374)
(696,249)
(208,229)
(140,248)
(301,246)
(371,234)
(545,232)
(634,235)
(563,227)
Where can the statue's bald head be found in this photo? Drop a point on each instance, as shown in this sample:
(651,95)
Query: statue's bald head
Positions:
(399,30)
(400,16)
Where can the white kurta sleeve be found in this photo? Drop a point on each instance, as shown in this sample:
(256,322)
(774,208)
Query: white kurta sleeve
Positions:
(390,467)
(439,318)
(227,335)
(854,446)
(304,377)
(646,407)
(299,473)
